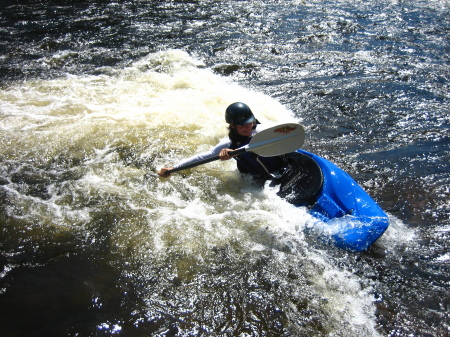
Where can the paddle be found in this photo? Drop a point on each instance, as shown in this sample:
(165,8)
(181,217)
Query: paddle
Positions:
(274,141)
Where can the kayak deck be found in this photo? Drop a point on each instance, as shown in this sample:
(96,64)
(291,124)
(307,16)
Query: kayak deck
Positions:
(351,217)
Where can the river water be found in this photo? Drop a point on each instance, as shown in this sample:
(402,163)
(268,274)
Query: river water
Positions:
(94,95)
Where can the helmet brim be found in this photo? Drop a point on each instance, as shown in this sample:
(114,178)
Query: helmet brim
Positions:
(248,120)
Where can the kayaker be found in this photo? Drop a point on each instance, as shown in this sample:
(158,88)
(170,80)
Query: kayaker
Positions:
(242,126)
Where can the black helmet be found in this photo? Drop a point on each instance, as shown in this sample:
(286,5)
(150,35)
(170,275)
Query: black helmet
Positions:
(239,114)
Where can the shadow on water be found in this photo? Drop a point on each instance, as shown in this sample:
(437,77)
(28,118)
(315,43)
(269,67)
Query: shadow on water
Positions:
(51,286)
(70,293)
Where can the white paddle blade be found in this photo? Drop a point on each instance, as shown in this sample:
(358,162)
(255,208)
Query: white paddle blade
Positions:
(278,140)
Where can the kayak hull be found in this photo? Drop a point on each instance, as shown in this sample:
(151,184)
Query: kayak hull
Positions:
(349,216)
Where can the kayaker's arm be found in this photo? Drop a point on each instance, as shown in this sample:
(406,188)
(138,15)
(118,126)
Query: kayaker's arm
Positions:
(163,172)
(223,155)
(221,150)
(274,141)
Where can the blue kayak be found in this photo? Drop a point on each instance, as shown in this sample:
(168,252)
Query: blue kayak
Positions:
(349,216)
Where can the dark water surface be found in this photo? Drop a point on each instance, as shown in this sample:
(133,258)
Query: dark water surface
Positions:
(94,94)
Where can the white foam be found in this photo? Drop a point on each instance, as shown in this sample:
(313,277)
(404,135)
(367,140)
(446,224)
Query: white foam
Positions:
(157,111)
(398,234)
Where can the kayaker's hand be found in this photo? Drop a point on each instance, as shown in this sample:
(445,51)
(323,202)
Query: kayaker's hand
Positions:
(224,154)
(163,172)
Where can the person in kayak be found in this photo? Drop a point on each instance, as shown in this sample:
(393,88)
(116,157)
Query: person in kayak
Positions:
(242,126)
